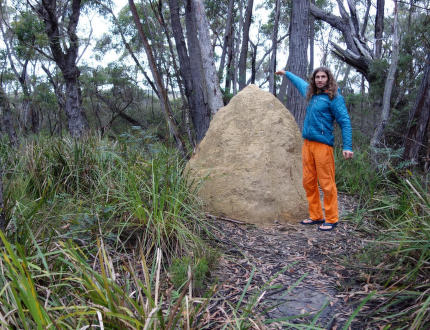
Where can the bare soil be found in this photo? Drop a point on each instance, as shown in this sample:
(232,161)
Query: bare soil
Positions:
(287,274)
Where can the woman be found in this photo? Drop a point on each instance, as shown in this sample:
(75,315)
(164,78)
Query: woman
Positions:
(325,105)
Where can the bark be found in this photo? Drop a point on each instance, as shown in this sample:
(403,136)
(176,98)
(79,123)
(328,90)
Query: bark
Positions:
(244,49)
(31,120)
(297,59)
(272,86)
(66,60)
(185,99)
(230,63)
(418,119)
(389,83)
(164,100)
(190,71)
(379,27)
(366,19)
(357,53)
(311,42)
(228,36)
(253,61)
(163,24)
(6,119)
(282,95)
(211,78)
(236,52)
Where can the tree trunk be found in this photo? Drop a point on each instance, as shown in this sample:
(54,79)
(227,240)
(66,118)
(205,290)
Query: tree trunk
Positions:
(272,69)
(366,19)
(6,120)
(228,35)
(379,27)
(386,104)
(244,49)
(297,59)
(230,63)
(253,62)
(201,115)
(76,120)
(30,115)
(418,118)
(236,51)
(282,95)
(211,78)
(66,60)
(311,42)
(164,100)
(198,108)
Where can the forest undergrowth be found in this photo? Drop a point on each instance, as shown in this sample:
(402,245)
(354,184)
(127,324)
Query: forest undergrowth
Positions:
(393,207)
(110,234)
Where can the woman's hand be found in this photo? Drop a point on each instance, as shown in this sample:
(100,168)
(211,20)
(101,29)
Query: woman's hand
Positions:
(280,72)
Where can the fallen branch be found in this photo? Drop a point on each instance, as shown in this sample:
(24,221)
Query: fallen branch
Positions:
(211,216)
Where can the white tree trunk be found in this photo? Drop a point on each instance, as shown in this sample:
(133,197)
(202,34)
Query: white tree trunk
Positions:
(389,83)
(272,87)
(209,70)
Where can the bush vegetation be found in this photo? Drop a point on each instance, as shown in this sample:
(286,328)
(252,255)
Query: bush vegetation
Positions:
(393,207)
(92,226)
(98,230)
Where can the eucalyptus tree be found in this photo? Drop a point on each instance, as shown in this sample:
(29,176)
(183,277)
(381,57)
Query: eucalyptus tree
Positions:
(227,40)
(272,69)
(209,71)
(21,31)
(386,101)
(122,26)
(6,121)
(164,100)
(61,20)
(357,52)
(245,41)
(190,66)
(297,57)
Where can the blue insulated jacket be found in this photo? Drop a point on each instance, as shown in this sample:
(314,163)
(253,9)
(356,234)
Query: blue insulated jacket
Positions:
(320,115)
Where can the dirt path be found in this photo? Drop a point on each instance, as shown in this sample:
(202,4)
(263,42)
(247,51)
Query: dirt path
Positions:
(295,268)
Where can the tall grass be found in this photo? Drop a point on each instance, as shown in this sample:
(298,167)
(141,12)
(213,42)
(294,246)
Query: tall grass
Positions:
(394,203)
(72,187)
(80,295)
(64,195)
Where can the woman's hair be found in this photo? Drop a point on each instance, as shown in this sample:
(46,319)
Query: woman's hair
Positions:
(331,88)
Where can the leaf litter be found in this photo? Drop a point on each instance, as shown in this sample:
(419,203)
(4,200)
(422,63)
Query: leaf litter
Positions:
(299,274)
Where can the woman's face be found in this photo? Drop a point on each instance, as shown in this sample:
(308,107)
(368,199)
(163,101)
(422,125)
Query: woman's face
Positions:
(321,79)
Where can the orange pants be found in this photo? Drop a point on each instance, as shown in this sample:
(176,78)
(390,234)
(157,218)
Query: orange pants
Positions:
(318,167)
